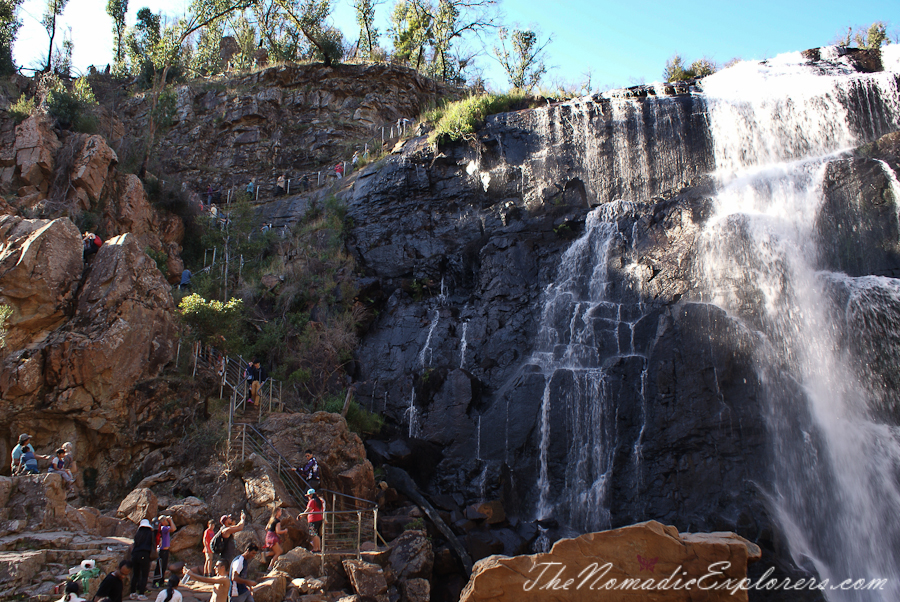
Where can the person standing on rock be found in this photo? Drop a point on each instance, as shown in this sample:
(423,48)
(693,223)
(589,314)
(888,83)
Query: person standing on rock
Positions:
(229,528)
(339,170)
(92,244)
(314,518)
(113,585)
(240,585)
(208,555)
(144,542)
(219,582)
(24,446)
(166,528)
(280,185)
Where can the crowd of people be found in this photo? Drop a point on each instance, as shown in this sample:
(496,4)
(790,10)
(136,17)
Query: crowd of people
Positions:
(224,567)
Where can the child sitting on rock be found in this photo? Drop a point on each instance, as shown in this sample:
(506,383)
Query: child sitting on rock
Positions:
(58,466)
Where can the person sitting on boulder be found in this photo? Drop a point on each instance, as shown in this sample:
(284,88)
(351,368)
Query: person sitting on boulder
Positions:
(17,452)
(314,517)
(70,464)
(219,581)
(58,466)
(171,593)
(339,170)
(92,244)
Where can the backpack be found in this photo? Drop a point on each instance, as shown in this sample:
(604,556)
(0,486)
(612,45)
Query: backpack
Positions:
(98,241)
(217,544)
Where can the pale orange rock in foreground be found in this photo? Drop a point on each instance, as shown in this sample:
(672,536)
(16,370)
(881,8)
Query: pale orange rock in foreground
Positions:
(594,567)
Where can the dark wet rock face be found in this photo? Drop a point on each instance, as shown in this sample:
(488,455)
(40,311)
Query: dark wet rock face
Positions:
(570,361)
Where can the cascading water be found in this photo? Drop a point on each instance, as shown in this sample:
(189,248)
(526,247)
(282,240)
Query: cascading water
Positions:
(581,329)
(775,127)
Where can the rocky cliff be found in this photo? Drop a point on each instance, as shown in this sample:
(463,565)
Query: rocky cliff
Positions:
(575,363)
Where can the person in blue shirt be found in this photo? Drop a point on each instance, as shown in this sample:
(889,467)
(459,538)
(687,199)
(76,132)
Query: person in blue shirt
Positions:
(30,463)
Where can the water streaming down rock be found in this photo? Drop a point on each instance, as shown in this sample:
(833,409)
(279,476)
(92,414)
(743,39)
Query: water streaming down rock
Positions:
(582,334)
(463,343)
(837,459)
(427,346)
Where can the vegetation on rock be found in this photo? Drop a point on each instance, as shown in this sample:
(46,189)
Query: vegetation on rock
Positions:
(456,120)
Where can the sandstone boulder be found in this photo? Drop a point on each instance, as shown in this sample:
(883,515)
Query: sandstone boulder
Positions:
(416,590)
(188,537)
(138,505)
(38,502)
(35,146)
(40,267)
(367,579)
(412,556)
(337,449)
(91,170)
(299,563)
(308,586)
(191,510)
(270,589)
(640,552)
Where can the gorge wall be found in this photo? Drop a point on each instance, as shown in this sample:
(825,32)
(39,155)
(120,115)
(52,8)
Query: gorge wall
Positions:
(653,358)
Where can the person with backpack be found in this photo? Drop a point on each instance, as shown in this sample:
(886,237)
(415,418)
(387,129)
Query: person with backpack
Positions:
(222,543)
(92,244)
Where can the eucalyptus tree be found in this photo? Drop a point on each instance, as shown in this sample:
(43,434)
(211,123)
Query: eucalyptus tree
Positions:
(523,60)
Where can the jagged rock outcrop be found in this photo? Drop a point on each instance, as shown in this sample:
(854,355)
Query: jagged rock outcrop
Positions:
(290,118)
(80,352)
(594,564)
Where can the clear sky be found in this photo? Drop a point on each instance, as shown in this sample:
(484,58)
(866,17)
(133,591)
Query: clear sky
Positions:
(620,42)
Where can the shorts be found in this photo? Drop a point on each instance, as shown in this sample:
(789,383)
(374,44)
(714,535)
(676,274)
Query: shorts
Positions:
(209,557)
(315,529)
(272,539)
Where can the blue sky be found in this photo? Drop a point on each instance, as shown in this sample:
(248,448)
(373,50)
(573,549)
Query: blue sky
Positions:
(620,42)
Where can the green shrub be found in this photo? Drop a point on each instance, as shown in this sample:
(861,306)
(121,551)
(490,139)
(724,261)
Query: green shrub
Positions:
(161,259)
(21,109)
(213,322)
(359,419)
(71,108)
(457,119)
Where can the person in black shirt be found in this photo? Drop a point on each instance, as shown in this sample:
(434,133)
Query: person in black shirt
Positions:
(144,542)
(113,585)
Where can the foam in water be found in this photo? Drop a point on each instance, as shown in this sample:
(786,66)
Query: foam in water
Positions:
(836,491)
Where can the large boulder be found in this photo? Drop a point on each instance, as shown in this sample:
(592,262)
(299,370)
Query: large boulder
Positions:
(138,505)
(271,589)
(598,561)
(40,268)
(338,450)
(191,510)
(367,579)
(412,556)
(416,590)
(299,563)
(91,170)
(187,538)
(38,502)
(35,147)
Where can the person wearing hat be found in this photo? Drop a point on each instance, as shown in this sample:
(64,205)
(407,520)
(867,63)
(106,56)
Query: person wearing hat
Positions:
(314,509)
(144,542)
(23,447)
(229,528)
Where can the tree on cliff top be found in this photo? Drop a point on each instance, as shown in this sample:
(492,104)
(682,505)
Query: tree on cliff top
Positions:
(9,27)
(524,62)
(53,10)
(871,37)
(310,17)
(117,9)
(676,71)
(368,33)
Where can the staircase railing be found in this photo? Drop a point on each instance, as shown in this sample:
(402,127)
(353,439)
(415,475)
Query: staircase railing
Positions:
(349,521)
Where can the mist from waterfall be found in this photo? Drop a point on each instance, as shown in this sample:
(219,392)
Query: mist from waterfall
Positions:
(775,127)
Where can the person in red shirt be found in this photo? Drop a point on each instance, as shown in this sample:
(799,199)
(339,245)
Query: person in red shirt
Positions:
(314,517)
(207,548)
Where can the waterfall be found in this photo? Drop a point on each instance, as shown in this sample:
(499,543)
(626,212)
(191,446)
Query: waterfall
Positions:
(581,331)
(427,346)
(463,345)
(775,127)
(413,415)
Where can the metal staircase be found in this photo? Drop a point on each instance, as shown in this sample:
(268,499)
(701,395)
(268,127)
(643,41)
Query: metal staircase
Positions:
(349,521)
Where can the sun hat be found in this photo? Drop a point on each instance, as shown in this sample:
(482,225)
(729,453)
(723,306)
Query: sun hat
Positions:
(144,523)
(310,492)
(23,438)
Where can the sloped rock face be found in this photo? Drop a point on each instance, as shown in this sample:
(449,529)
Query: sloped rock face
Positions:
(40,261)
(597,564)
(294,118)
(80,352)
(339,452)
